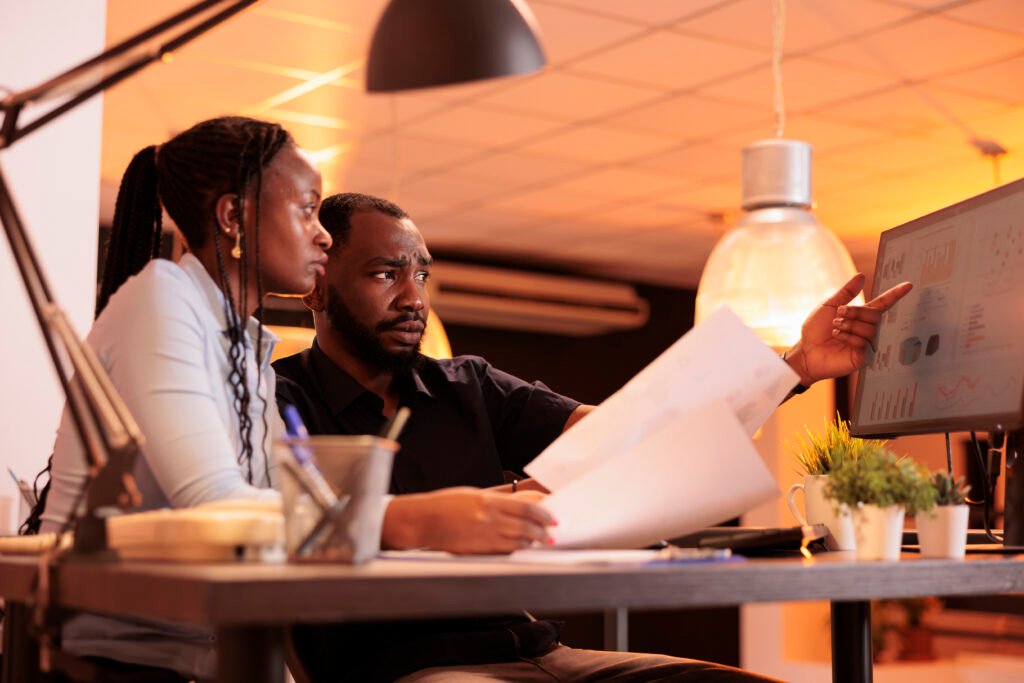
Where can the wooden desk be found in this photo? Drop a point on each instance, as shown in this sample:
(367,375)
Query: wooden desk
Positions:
(247,604)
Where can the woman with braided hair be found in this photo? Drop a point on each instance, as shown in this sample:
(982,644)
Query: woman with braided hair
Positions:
(183,344)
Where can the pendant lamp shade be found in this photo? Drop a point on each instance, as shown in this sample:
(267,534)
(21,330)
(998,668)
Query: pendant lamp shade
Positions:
(424,43)
(778,262)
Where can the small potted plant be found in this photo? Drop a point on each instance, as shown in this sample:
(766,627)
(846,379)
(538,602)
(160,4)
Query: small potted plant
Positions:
(942,531)
(818,456)
(880,488)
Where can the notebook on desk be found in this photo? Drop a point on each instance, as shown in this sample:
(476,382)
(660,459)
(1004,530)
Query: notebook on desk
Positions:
(758,541)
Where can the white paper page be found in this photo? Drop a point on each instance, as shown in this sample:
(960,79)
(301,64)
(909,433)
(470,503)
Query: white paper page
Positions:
(720,358)
(693,472)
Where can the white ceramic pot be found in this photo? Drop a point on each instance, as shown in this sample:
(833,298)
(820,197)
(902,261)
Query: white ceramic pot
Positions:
(879,531)
(822,510)
(942,531)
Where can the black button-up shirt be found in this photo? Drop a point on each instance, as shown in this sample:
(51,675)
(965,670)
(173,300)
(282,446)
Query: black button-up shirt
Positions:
(470,421)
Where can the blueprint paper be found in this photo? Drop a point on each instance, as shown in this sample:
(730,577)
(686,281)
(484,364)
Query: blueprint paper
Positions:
(719,359)
(692,472)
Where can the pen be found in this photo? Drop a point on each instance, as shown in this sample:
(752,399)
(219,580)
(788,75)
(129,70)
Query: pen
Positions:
(307,470)
(26,492)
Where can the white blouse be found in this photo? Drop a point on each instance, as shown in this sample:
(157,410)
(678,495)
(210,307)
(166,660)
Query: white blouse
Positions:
(162,338)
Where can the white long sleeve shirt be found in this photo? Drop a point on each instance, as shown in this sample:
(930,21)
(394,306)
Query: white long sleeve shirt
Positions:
(162,339)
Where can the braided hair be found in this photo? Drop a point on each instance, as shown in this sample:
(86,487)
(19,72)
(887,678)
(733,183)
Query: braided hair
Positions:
(186,176)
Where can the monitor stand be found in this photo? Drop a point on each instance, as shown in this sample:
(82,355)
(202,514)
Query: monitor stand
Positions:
(1014,522)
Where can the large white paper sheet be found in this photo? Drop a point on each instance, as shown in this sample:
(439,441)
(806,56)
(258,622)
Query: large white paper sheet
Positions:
(719,359)
(692,472)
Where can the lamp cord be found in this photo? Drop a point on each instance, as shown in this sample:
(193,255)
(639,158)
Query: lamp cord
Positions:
(778,33)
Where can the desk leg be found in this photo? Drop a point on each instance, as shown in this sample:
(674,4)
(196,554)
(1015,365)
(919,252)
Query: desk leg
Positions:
(21,650)
(851,642)
(616,629)
(250,654)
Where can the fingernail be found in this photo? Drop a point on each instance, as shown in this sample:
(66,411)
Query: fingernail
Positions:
(841,311)
(835,333)
(549,541)
(554,522)
(837,322)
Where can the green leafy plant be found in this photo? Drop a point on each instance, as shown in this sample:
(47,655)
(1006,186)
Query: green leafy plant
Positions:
(877,476)
(949,491)
(822,453)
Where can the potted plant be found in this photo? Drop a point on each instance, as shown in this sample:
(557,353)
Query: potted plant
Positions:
(818,456)
(879,488)
(942,531)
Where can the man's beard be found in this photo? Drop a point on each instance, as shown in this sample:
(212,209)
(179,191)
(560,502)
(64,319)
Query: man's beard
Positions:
(366,343)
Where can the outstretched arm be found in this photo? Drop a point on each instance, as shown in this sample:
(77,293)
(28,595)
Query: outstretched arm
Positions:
(835,337)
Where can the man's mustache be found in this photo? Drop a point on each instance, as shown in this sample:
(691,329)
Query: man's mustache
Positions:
(400,320)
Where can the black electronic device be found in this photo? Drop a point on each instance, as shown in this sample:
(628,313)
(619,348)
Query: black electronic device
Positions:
(949,357)
(758,541)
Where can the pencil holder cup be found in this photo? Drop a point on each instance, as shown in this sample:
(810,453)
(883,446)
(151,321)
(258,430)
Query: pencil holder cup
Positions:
(344,527)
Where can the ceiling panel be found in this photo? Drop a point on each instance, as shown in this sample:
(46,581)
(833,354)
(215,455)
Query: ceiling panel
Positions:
(809,23)
(622,158)
(670,60)
(646,13)
(929,46)
(568,33)
(807,84)
(595,144)
(570,97)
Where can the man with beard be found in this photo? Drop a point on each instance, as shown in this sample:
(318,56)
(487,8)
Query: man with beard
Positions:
(470,422)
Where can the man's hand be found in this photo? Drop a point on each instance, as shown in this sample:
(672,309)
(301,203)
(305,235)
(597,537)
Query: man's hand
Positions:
(466,520)
(835,337)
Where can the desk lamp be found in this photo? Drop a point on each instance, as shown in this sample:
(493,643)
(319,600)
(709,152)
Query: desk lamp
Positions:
(416,44)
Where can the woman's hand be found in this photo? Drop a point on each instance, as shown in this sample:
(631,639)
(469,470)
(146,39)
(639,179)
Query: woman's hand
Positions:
(466,520)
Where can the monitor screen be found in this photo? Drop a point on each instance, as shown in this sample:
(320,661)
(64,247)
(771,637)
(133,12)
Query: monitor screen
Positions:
(950,355)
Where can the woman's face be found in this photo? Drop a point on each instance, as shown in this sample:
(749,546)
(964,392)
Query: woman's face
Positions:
(293,244)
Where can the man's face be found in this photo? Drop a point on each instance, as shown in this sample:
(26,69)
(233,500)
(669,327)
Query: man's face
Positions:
(376,294)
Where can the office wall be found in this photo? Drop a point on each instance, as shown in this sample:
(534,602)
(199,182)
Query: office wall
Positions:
(54,176)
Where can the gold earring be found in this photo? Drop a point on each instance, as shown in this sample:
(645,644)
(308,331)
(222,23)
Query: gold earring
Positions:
(236,251)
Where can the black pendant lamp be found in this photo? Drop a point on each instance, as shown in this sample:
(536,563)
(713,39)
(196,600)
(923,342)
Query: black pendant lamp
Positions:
(424,43)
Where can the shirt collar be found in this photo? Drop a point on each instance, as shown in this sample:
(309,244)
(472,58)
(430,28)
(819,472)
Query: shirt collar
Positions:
(215,299)
(339,389)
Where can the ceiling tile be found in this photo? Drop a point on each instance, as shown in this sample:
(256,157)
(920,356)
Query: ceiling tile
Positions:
(913,50)
(260,37)
(691,117)
(671,60)
(1000,15)
(406,154)
(516,170)
(449,188)
(697,161)
(648,213)
(648,12)
(910,110)
(568,33)
(1002,81)
(363,14)
(615,184)
(806,82)
(808,23)
(597,144)
(360,111)
(541,203)
(570,97)
(491,128)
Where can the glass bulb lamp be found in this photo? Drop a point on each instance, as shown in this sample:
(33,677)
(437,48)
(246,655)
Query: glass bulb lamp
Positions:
(778,262)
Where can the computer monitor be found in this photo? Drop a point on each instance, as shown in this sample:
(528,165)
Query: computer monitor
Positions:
(949,357)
